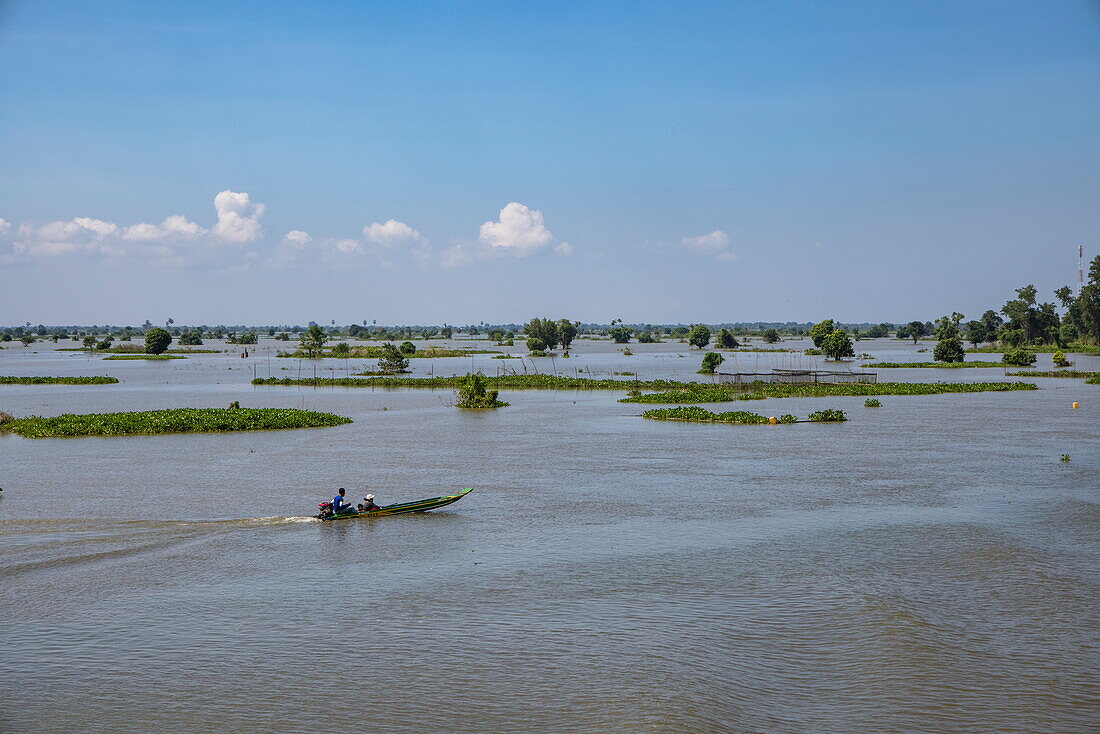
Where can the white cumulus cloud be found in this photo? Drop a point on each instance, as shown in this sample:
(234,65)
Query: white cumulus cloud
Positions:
(392,232)
(175,227)
(519,230)
(5,226)
(238,217)
(716,244)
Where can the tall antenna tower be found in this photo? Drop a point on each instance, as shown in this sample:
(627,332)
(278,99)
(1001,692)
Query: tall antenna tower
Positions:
(1080,268)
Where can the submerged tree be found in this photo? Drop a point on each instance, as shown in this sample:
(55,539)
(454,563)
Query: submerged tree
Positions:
(545,330)
(711,360)
(915,330)
(837,345)
(392,360)
(567,332)
(699,336)
(725,339)
(820,331)
(949,348)
(156,341)
(619,334)
(312,340)
(771,336)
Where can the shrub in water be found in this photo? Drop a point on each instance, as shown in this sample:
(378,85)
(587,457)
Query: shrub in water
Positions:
(473,394)
(871,403)
(1018,357)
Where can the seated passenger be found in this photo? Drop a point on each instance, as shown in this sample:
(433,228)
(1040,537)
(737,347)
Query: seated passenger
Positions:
(340,507)
(367,504)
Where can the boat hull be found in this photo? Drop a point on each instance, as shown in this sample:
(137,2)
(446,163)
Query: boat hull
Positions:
(403,508)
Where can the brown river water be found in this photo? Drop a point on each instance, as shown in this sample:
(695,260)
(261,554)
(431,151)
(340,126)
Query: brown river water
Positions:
(930,565)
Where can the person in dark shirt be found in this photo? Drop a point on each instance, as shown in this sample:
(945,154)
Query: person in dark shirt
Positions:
(338,504)
(367,504)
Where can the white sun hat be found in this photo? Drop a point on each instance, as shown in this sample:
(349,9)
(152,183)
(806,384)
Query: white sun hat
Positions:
(369,497)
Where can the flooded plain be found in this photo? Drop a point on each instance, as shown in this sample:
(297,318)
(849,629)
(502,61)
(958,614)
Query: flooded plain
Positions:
(929,565)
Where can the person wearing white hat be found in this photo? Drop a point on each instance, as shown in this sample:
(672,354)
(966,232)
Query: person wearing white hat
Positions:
(367,504)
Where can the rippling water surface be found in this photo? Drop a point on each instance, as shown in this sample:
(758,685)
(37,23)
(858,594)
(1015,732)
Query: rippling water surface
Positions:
(928,566)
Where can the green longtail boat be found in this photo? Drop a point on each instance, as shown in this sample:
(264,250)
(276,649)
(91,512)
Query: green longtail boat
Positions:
(399,509)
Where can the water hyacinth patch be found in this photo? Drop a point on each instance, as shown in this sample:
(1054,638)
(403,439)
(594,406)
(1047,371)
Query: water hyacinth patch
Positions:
(758,390)
(178,420)
(933,365)
(156,357)
(97,380)
(506,382)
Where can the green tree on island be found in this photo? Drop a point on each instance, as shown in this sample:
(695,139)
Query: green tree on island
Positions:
(711,360)
(699,336)
(725,339)
(407,348)
(157,340)
(190,339)
(312,340)
(341,350)
(771,336)
(820,331)
(949,348)
(837,345)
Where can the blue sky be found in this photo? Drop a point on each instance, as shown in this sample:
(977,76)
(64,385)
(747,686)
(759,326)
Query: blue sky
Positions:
(429,162)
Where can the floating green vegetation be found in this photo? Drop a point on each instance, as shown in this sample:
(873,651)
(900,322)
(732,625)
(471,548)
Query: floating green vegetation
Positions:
(135,349)
(1043,349)
(370,352)
(759,390)
(98,380)
(1074,374)
(507,356)
(933,365)
(828,415)
(179,420)
(159,357)
(1064,457)
(872,403)
(695,414)
(503,382)
(813,352)
(1093,380)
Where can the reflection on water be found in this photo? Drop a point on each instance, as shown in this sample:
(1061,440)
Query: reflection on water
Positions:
(929,565)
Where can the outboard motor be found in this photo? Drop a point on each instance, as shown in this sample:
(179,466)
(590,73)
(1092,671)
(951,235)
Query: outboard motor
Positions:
(326,510)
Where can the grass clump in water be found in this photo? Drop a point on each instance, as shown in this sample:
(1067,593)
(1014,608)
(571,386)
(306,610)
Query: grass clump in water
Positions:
(872,403)
(177,420)
(97,380)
